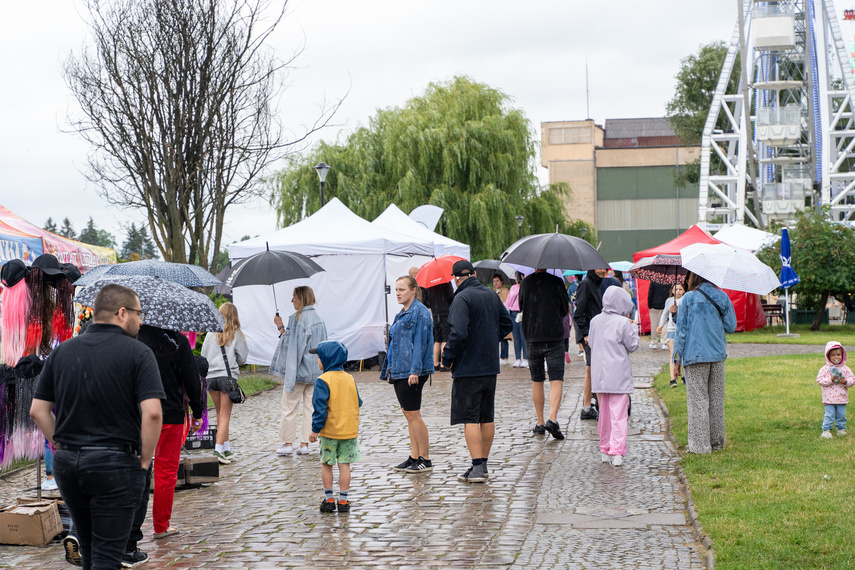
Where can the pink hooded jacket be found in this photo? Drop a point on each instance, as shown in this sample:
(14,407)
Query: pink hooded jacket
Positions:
(612,337)
(835,393)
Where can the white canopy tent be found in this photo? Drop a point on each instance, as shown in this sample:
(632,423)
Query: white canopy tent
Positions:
(359,259)
(738,235)
(393,218)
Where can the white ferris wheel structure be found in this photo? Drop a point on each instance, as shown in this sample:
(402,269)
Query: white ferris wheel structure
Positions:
(782,138)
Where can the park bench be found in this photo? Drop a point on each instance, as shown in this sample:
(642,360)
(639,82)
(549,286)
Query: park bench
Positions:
(773,311)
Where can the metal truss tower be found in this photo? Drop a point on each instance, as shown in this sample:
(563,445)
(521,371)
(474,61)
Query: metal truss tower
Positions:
(785,140)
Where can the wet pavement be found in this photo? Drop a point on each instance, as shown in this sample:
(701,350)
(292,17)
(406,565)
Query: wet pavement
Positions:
(547,504)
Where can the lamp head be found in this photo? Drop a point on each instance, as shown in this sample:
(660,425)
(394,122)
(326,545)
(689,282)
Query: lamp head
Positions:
(322,168)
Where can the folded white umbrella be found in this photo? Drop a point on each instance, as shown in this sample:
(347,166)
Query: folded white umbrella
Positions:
(729,267)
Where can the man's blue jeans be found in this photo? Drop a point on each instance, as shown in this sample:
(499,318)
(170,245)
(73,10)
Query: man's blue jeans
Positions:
(101,489)
(834,413)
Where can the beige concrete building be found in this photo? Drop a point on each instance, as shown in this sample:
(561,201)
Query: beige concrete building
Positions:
(622,178)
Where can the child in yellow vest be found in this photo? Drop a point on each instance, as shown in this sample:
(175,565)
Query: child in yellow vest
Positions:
(336,420)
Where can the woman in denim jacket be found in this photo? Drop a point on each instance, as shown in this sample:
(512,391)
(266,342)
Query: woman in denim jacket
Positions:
(705,316)
(408,364)
(298,369)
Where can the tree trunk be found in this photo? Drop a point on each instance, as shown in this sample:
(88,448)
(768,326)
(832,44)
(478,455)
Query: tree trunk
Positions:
(820,311)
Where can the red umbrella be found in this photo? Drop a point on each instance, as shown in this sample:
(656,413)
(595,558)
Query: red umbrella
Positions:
(437,271)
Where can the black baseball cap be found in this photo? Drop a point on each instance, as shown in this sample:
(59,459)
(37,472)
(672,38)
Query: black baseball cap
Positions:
(13,271)
(462,268)
(71,271)
(49,264)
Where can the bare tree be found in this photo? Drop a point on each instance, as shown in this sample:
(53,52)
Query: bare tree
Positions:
(178,103)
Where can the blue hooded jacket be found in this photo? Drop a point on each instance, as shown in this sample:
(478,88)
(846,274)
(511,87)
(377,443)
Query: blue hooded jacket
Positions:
(701,331)
(335,398)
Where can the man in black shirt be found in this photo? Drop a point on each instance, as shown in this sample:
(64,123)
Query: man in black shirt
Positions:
(478,321)
(107,391)
(544,304)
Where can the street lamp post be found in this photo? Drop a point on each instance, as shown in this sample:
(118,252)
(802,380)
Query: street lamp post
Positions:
(584,231)
(519,220)
(322,168)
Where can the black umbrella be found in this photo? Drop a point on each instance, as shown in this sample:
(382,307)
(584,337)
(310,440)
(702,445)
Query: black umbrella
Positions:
(554,251)
(271,267)
(486,269)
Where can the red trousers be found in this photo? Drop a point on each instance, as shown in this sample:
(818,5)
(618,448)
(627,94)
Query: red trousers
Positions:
(166,458)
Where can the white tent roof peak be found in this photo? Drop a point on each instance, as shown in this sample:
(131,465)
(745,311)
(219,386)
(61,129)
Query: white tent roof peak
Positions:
(333,230)
(394,219)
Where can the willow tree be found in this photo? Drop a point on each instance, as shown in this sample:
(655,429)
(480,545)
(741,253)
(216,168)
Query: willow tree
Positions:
(460,146)
(177,99)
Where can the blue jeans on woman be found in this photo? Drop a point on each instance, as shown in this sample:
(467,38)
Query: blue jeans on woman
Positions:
(834,413)
(519,341)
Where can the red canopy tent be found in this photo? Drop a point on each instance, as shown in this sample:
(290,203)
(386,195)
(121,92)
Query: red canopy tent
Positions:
(748,306)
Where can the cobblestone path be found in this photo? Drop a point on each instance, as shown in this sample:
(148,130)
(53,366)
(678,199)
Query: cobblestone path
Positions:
(548,504)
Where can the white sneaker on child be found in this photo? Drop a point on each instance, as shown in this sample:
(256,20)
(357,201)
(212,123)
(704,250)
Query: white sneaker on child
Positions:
(617,460)
(605,457)
(826,434)
(841,433)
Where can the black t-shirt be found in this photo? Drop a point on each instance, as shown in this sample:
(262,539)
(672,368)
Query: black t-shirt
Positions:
(543,302)
(178,372)
(97,381)
(438,299)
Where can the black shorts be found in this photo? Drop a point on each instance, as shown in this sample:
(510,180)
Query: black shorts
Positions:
(473,400)
(550,352)
(410,397)
(441,328)
(219,384)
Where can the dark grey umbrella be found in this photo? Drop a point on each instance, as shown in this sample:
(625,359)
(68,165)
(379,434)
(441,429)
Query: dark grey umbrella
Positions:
(554,251)
(166,304)
(271,267)
(181,273)
(486,269)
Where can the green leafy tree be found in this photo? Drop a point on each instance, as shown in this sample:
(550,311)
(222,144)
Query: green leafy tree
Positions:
(67,230)
(94,236)
(138,245)
(823,255)
(460,146)
(50,225)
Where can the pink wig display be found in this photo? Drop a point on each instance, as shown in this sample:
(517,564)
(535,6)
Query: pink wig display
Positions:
(16,308)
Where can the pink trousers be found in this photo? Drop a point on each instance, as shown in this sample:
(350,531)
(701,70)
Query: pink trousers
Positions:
(612,424)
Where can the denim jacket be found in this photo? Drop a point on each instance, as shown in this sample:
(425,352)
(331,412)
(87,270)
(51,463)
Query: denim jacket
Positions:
(701,331)
(410,344)
(292,360)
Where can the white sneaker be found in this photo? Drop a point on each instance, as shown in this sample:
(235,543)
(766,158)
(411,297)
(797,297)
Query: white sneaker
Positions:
(524,363)
(517,363)
(654,345)
(841,433)
(826,434)
(303,451)
(605,457)
(50,484)
(581,353)
(664,346)
(285,450)
(617,460)
(504,362)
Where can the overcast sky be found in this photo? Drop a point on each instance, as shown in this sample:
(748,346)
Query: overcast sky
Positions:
(384,52)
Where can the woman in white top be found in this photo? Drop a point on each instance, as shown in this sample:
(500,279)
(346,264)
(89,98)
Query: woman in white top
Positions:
(668,319)
(234,343)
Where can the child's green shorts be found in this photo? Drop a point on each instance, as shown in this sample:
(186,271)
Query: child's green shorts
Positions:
(339,450)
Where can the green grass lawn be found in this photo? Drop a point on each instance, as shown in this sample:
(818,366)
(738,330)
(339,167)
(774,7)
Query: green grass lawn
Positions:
(777,496)
(845,334)
(251,383)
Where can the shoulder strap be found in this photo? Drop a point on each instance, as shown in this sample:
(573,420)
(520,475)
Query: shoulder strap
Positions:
(226,360)
(717,308)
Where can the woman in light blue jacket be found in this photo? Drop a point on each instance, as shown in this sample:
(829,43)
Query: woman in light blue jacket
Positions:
(408,364)
(298,368)
(705,316)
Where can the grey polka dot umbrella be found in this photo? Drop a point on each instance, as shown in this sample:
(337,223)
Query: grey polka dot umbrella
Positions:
(166,304)
(181,273)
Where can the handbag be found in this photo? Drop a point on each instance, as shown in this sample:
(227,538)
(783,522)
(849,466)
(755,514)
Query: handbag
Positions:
(236,394)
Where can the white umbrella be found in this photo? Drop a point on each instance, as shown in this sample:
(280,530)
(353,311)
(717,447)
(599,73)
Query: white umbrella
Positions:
(729,267)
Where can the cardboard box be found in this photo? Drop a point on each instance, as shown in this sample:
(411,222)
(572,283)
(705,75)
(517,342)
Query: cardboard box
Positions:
(199,440)
(200,469)
(33,524)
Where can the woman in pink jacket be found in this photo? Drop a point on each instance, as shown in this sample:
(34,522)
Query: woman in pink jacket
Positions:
(835,379)
(612,336)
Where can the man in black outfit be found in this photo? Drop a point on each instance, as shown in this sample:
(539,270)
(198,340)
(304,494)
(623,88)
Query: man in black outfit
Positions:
(478,321)
(544,304)
(438,299)
(107,392)
(657,294)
